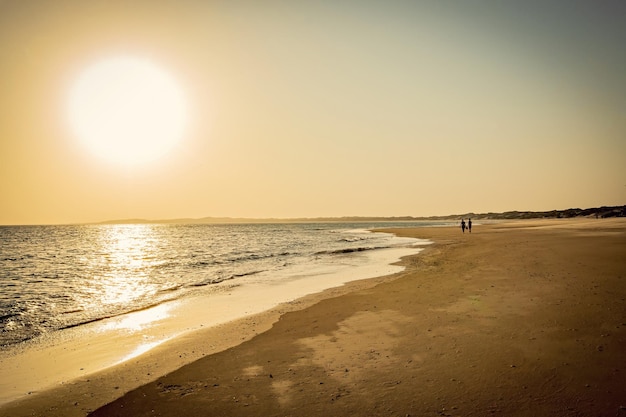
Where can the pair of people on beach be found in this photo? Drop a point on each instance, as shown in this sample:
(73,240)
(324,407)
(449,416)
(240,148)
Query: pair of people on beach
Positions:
(469,225)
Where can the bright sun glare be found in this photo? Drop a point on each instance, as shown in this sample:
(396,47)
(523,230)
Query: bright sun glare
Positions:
(127,110)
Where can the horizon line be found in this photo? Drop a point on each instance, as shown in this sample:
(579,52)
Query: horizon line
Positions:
(603,211)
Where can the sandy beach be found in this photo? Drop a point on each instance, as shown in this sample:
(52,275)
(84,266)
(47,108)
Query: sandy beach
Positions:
(517,319)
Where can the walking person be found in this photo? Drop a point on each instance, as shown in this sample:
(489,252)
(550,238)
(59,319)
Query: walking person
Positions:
(463,225)
(469,225)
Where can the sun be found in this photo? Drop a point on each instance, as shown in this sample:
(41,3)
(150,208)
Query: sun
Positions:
(127,110)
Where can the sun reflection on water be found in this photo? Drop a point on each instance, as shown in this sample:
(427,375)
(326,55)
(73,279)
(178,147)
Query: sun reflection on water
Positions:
(138,320)
(121,271)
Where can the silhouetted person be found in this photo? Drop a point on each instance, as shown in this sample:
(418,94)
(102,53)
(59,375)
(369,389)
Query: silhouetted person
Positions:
(469,225)
(463,225)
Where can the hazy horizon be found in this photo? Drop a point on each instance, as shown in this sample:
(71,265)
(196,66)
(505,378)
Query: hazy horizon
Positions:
(447,217)
(166,110)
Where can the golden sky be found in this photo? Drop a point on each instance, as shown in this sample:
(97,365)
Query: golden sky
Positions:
(321,108)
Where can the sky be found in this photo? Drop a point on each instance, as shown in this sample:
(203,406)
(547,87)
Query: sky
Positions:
(321,108)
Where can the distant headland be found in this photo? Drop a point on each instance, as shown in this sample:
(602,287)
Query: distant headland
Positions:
(597,212)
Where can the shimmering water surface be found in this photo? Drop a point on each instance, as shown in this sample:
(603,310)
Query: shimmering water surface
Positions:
(54,277)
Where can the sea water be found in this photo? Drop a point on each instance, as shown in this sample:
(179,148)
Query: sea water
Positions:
(58,277)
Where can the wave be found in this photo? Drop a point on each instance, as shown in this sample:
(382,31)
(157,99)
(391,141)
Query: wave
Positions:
(212,281)
(170,289)
(112,315)
(17,258)
(257,256)
(76,310)
(9,315)
(344,251)
(235,258)
(352,239)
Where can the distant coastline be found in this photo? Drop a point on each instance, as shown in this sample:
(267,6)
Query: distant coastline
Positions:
(598,212)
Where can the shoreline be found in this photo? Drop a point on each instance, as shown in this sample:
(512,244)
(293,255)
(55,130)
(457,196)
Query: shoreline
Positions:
(137,339)
(542,300)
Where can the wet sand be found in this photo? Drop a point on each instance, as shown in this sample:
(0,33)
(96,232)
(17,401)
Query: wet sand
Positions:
(524,318)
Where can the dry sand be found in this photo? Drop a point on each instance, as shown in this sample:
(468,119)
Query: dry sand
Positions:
(523,318)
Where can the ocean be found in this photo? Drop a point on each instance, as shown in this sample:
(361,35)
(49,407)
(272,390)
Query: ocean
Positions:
(59,277)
